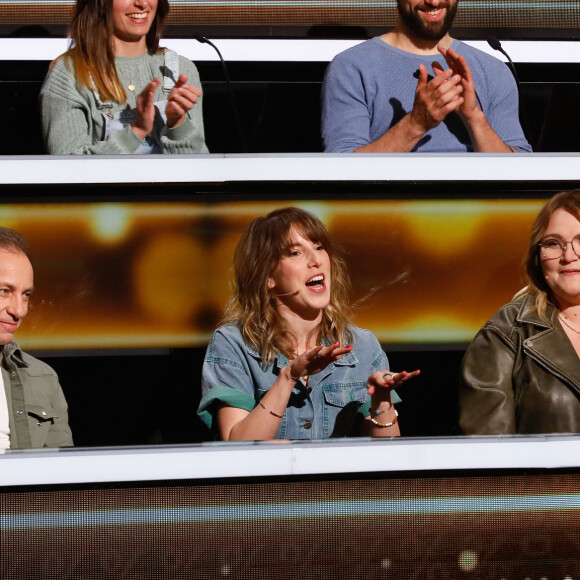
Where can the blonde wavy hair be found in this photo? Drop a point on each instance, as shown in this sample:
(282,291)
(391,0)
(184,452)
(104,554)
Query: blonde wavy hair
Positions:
(537,286)
(91,46)
(252,307)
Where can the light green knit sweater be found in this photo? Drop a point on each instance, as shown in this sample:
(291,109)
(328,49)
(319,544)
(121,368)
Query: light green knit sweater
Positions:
(73,124)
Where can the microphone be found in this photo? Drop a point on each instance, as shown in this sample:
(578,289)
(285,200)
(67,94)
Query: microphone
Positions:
(288,293)
(204,40)
(496,45)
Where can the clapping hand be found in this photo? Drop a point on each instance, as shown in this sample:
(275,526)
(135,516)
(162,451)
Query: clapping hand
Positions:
(459,66)
(143,124)
(181,99)
(435,98)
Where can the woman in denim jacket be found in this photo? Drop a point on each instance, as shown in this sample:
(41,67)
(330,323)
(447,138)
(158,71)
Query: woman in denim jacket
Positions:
(287,363)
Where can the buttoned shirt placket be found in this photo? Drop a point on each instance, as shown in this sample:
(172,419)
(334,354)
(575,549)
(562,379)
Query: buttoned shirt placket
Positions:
(19,434)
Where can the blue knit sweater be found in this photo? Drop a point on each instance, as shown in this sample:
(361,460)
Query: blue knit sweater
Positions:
(371,87)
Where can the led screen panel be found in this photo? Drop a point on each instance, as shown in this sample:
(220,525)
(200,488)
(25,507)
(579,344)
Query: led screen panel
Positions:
(149,275)
(476,527)
(513,14)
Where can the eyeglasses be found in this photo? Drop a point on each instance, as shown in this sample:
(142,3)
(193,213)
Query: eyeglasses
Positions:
(552,248)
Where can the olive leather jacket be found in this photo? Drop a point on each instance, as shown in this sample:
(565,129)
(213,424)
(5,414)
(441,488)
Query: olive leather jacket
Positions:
(520,375)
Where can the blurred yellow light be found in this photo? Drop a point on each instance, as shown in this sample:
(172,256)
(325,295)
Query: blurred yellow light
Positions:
(445,228)
(170,278)
(110,223)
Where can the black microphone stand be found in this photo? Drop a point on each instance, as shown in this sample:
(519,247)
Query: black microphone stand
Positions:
(204,40)
(496,45)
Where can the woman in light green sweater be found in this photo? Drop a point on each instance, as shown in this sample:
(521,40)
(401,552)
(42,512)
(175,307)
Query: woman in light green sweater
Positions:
(114,90)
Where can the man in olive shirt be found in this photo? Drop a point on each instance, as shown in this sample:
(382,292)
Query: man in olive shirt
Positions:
(33,410)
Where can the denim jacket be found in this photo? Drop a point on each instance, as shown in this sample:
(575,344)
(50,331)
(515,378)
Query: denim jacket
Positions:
(333,405)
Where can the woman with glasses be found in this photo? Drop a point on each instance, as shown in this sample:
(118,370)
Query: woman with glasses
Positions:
(521,373)
(287,363)
(115,91)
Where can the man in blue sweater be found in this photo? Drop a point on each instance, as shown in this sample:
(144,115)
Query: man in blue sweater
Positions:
(417,89)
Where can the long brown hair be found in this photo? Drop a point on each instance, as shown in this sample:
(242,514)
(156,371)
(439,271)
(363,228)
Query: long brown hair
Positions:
(537,286)
(252,306)
(91,46)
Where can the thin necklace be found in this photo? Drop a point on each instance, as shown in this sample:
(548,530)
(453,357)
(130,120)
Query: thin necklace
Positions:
(563,319)
(131,85)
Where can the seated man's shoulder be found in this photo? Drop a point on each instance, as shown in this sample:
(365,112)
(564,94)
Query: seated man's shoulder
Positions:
(477,57)
(361,52)
(35,367)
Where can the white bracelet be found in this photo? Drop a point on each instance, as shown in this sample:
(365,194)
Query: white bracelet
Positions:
(383,425)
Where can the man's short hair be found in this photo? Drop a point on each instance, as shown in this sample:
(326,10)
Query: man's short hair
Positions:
(12,241)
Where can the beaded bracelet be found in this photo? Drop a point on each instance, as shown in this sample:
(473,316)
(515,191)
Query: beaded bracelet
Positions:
(383,425)
(271,412)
